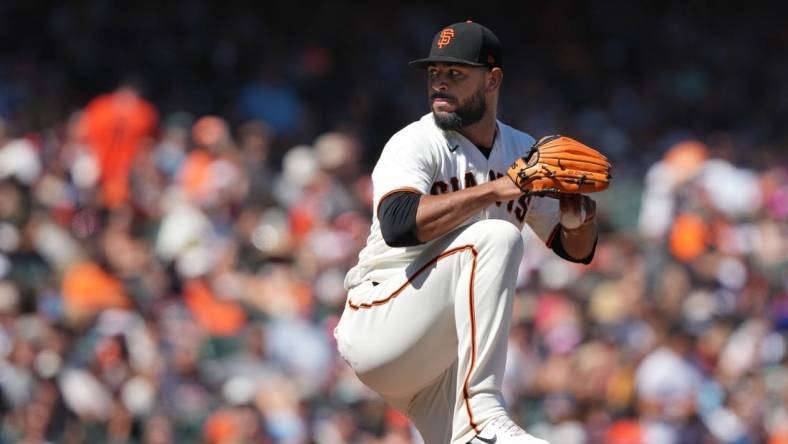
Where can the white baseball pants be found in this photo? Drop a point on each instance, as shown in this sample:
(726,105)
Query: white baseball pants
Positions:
(432,340)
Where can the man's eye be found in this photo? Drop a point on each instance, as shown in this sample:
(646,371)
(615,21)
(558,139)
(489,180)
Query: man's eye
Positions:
(454,73)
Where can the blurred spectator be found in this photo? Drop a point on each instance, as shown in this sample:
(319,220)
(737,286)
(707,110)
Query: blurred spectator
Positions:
(115,126)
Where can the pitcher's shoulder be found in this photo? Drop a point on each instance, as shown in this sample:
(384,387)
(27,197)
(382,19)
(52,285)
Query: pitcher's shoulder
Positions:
(420,134)
(425,126)
(514,135)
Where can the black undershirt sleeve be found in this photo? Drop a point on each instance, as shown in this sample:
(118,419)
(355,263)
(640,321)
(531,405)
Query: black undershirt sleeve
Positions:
(397,216)
(558,247)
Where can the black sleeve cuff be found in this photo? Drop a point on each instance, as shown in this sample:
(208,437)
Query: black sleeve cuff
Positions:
(558,247)
(397,217)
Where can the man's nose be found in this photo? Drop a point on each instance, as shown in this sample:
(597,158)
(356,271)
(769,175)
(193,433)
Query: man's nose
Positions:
(439,85)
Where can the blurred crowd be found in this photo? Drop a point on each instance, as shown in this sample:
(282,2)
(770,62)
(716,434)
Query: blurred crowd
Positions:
(172,251)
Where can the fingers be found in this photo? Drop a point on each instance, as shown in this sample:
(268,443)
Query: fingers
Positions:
(576,210)
(572,211)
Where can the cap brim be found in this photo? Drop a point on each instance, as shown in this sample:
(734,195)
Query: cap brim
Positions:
(423,63)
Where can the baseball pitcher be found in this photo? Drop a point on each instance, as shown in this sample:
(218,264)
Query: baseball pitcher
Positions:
(429,302)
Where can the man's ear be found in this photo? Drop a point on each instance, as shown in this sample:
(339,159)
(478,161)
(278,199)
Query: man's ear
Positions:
(494,79)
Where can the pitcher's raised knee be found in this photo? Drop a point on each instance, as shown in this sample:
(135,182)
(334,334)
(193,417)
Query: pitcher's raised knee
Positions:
(497,234)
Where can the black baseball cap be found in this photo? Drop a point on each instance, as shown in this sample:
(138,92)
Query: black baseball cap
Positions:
(465,43)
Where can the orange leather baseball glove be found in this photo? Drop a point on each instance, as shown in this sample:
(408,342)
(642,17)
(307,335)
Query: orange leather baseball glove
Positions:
(559,164)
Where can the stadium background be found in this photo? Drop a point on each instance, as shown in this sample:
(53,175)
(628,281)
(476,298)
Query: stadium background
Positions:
(171,267)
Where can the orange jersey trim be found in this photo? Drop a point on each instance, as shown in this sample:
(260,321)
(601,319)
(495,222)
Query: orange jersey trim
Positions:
(471,306)
(412,277)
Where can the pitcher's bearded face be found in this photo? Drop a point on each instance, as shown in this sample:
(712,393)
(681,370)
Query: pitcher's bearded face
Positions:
(456,93)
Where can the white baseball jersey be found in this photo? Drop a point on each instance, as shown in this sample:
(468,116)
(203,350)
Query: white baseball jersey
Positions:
(426,326)
(426,159)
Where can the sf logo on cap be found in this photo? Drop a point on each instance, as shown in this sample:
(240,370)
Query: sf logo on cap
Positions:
(445,37)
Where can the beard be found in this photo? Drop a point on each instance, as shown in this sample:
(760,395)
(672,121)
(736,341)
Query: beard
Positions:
(467,113)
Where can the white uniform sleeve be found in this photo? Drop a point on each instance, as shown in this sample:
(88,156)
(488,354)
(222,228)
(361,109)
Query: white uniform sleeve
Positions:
(543,216)
(404,164)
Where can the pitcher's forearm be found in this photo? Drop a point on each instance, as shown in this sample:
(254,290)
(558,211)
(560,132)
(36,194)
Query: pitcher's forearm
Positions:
(438,215)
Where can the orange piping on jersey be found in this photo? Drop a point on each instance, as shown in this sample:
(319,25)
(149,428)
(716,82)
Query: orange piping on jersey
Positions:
(396,190)
(412,277)
(471,302)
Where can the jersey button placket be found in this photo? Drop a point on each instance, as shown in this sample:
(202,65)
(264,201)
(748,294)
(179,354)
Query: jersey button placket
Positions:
(485,173)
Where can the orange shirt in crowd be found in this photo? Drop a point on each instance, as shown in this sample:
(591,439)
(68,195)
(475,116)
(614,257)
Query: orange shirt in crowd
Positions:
(114,125)
(196,175)
(217,316)
(688,237)
(88,289)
